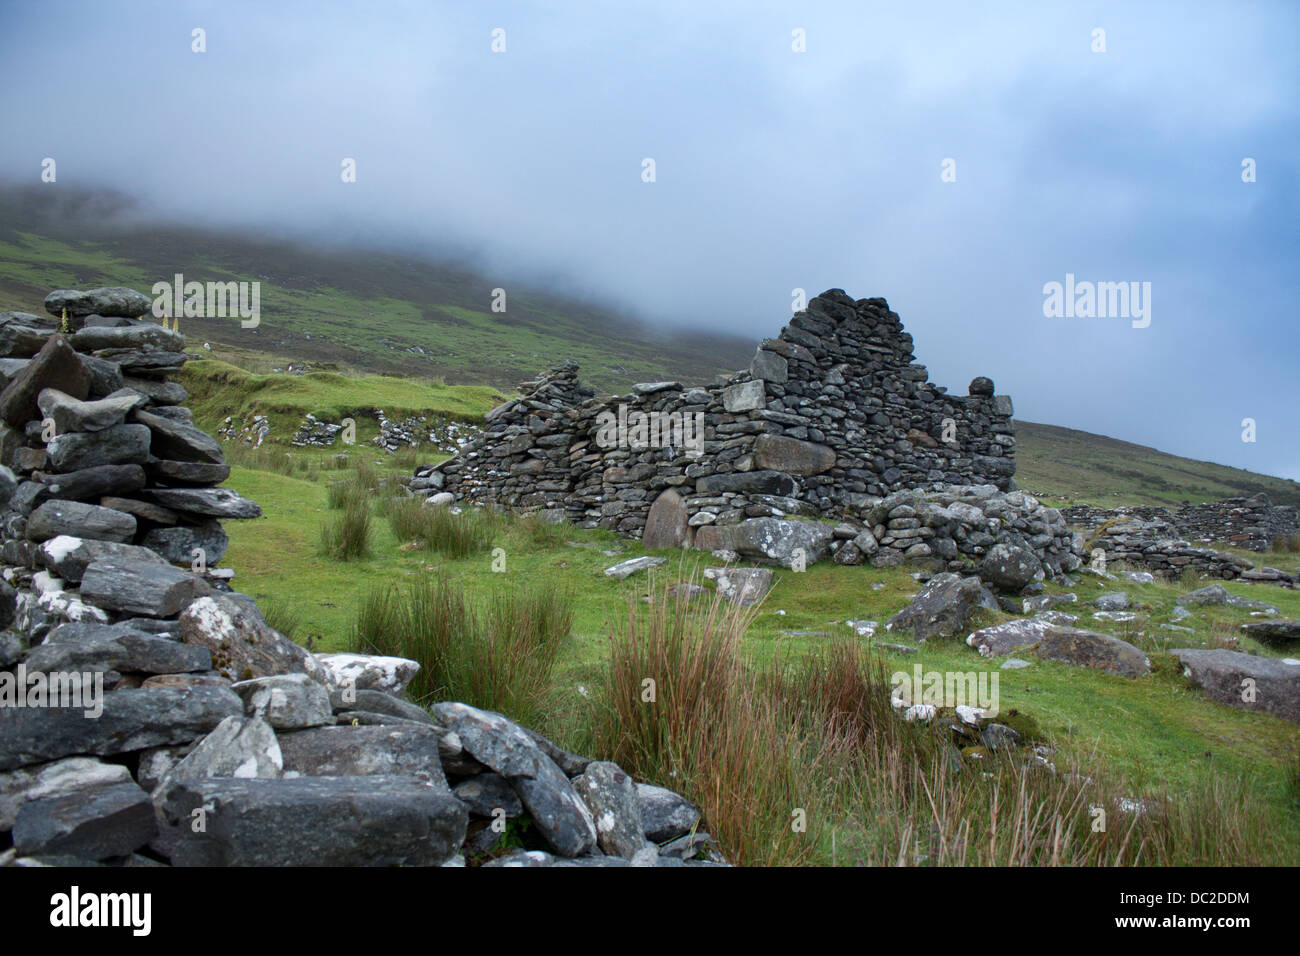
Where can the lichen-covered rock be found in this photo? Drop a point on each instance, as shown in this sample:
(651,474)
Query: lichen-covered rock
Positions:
(1082,648)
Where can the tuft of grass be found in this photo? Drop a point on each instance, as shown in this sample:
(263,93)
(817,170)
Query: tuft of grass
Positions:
(347,537)
(497,653)
(454,534)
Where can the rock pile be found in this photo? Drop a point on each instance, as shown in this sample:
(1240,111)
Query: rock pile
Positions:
(1251,523)
(150,715)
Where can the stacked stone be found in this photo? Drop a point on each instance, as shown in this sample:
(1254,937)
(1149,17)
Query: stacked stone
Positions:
(253,431)
(1089,518)
(523,456)
(831,415)
(137,697)
(100,447)
(1251,523)
(316,433)
(1155,544)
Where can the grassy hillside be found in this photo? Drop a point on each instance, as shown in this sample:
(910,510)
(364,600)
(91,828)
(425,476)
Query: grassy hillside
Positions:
(346,308)
(1069,465)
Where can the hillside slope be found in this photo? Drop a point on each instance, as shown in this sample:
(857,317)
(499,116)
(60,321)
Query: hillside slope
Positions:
(1063,463)
(347,309)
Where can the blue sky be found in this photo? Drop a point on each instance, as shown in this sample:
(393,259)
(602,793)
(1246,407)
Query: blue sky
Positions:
(775,169)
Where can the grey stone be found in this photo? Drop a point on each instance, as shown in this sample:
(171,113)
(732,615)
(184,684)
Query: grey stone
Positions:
(1244,680)
(487,793)
(211,502)
(371,820)
(790,455)
(131,720)
(665,525)
(1089,649)
(58,778)
(627,568)
(108,301)
(1010,567)
(178,543)
(56,365)
(178,440)
(141,587)
(242,644)
(408,749)
(286,701)
(73,415)
(119,445)
(941,609)
(79,520)
(107,821)
(611,797)
(665,815)
(368,671)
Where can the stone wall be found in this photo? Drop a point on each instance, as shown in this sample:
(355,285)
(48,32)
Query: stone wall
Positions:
(1250,523)
(830,416)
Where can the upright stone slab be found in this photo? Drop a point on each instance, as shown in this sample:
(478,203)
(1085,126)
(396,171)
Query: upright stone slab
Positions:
(665,525)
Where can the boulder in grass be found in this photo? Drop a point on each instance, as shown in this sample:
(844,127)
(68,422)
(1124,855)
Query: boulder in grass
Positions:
(372,820)
(1070,645)
(1244,680)
(141,587)
(1008,636)
(1274,633)
(120,650)
(942,608)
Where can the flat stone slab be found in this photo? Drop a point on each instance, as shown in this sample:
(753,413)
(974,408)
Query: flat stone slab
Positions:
(627,568)
(371,820)
(1244,680)
(108,300)
(80,520)
(743,586)
(55,779)
(1273,633)
(141,587)
(242,644)
(69,556)
(213,502)
(131,720)
(369,671)
(286,701)
(345,750)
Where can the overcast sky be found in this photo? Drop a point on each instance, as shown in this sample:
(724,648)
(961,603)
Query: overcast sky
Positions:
(775,169)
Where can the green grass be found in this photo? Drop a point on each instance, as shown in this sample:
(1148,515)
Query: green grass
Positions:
(1156,734)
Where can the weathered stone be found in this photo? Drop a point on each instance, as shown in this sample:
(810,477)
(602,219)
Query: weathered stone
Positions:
(72,415)
(792,456)
(118,650)
(242,644)
(78,519)
(1274,633)
(370,820)
(1244,680)
(627,568)
(178,441)
(1089,649)
(770,367)
(743,586)
(178,543)
(286,701)
(762,482)
(941,609)
(1010,567)
(377,702)
(187,472)
(108,821)
(56,365)
(744,397)
(665,525)
(141,587)
(131,720)
(89,483)
(787,543)
(108,301)
(611,797)
(664,814)
(487,793)
(119,445)
(1008,636)
(409,750)
(71,775)
(368,671)
(242,747)
(211,502)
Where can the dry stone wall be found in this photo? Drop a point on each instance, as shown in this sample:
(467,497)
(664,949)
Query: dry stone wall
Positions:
(831,415)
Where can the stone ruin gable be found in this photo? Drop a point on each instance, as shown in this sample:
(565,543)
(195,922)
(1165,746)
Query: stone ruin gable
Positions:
(831,413)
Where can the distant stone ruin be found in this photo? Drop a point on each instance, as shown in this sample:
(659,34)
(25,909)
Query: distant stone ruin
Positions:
(831,416)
